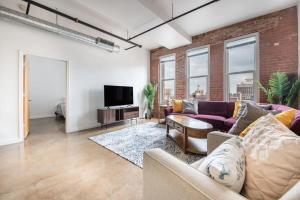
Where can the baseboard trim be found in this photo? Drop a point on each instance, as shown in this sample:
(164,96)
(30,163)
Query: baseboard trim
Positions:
(83,128)
(41,116)
(10,141)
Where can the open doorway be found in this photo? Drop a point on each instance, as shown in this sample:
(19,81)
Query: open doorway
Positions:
(45,93)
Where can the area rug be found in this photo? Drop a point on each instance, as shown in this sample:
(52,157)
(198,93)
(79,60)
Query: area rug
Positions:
(130,143)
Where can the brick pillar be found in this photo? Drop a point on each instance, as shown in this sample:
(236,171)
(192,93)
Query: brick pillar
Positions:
(217,72)
(180,84)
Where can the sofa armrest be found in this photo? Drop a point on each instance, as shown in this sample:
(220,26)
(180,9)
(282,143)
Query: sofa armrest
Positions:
(215,138)
(293,193)
(166,177)
(168,111)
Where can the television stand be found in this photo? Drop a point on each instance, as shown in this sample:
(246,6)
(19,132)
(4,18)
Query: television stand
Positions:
(112,115)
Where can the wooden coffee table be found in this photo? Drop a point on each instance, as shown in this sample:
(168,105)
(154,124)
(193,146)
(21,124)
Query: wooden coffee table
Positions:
(188,133)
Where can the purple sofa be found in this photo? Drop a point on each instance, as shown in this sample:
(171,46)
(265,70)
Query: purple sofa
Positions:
(219,114)
(296,123)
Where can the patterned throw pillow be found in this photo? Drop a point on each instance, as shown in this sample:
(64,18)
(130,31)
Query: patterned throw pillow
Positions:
(226,164)
(190,107)
(272,159)
(242,110)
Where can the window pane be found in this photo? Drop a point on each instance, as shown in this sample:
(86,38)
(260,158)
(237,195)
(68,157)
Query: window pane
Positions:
(241,58)
(168,70)
(167,90)
(198,65)
(242,41)
(198,87)
(241,87)
(197,51)
(167,58)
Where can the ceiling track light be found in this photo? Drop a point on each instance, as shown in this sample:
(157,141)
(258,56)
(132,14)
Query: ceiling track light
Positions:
(16,16)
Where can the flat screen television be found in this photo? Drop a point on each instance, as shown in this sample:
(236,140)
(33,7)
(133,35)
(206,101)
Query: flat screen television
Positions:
(117,95)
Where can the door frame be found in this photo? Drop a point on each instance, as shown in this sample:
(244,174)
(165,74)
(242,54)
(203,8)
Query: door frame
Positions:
(21,85)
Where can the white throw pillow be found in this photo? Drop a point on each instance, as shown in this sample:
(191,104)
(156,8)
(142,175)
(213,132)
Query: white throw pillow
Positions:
(226,164)
(272,159)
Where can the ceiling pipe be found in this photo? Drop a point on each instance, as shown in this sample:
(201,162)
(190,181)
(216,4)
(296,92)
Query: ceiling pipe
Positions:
(16,16)
(80,21)
(170,20)
(28,8)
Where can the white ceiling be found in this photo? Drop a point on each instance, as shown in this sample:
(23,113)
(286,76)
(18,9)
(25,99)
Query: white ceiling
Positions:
(135,16)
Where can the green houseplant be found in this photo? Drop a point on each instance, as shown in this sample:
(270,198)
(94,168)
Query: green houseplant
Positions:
(281,90)
(150,92)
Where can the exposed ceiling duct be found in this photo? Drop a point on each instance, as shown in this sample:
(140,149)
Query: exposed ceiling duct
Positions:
(74,19)
(16,16)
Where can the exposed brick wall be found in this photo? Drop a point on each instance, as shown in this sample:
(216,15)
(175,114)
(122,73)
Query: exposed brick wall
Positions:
(278,43)
(216,72)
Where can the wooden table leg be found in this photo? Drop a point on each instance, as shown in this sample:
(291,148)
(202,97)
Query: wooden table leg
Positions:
(185,140)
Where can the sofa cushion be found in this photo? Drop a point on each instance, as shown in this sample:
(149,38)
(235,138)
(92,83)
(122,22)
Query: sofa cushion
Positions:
(293,193)
(226,164)
(296,125)
(168,111)
(230,109)
(218,108)
(229,123)
(216,121)
(279,107)
(197,163)
(272,159)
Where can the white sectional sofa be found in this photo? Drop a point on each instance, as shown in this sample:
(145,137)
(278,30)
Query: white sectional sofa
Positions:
(167,178)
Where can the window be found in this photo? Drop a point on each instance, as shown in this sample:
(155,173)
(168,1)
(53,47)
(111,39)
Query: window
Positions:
(241,64)
(167,78)
(198,71)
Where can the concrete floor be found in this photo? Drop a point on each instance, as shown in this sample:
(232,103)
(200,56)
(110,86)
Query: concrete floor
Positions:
(53,165)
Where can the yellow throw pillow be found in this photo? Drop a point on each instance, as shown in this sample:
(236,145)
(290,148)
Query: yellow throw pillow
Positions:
(177,106)
(287,117)
(237,108)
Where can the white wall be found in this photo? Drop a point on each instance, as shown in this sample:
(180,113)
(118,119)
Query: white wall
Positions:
(89,69)
(47,85)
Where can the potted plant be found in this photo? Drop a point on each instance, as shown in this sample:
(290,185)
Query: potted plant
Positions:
(150,92)
(281,90)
